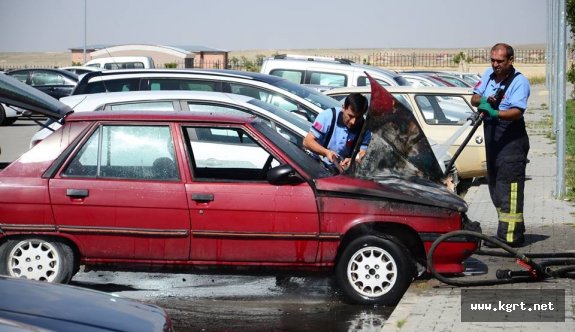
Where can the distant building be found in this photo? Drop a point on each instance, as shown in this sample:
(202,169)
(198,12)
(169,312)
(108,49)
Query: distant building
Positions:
(164,56)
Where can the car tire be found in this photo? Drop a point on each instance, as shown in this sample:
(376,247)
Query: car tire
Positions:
(37,259)
(375,270)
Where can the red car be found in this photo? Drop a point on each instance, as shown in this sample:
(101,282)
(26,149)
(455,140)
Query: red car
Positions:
(167,190)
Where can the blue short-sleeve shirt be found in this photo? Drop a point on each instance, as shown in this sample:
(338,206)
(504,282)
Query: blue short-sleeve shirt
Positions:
(516,95)
(343,139)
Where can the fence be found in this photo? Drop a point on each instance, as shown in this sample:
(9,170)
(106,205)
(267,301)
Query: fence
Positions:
(395,59)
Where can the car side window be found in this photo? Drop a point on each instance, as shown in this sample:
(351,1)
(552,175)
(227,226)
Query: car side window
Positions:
(142,106)
(328,79)
(126,152)
(227,154)
(40,78)
(295,76)
(181,84)
(363,81)
(118,85)
(444,109)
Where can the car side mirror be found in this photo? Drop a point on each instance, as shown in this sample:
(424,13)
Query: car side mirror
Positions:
(284,174)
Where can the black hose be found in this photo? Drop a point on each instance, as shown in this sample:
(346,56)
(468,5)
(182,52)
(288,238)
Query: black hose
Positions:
(537,272)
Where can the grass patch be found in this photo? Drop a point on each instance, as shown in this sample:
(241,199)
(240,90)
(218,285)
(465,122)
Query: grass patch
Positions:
(570,150)
(401,322)
(537,80)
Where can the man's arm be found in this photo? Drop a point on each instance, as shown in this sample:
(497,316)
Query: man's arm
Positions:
(310,142)
(475,99)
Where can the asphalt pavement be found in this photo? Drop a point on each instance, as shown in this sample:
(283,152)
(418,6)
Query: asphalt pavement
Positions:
(430,305)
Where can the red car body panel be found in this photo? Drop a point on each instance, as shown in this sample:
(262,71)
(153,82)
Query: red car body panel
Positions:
(164,223)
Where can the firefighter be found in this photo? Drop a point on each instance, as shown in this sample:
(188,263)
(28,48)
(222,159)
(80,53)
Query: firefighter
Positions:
(501,96)
(334,132)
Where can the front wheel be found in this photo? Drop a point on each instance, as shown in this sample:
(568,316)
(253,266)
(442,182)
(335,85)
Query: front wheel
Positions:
(375,270)
(37,259)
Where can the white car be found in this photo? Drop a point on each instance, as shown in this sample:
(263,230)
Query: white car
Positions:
(273,90)
(326,71)
(291,126)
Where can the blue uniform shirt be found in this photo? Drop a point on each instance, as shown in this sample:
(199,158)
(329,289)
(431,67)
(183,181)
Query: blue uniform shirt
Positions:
(516,95)
(343,139)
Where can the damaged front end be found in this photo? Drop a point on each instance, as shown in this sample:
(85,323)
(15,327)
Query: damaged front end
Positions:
(399,156)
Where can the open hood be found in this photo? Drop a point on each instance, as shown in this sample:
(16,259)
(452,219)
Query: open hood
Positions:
(18,94)
(398,146)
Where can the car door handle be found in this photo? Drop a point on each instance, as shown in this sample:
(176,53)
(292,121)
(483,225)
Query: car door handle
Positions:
(77,193)
(202,197)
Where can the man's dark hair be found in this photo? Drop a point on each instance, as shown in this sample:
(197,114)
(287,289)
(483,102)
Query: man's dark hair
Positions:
(508,49)
(357,102)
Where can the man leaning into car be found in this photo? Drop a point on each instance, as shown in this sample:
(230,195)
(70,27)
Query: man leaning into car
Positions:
(334,133)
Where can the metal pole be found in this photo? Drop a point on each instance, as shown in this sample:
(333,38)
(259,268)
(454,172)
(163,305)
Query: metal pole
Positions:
(85,27)
(554,78)
(560,78)
(548,50)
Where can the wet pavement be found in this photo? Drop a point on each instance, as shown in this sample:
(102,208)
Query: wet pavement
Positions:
(239,303)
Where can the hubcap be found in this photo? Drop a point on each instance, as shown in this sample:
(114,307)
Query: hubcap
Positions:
(372,271)
(34,259)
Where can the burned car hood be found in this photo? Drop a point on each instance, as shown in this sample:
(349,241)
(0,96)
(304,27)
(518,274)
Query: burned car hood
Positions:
(18,94)
(398,146)
(419,191)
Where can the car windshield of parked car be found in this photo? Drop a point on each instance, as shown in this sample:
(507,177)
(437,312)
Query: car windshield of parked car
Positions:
(444,109)
(316,98)
(290,135)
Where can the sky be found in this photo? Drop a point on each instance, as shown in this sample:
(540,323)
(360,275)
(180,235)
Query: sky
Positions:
(234,25)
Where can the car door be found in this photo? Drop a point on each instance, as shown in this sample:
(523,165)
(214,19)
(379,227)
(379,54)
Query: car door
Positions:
(236,214)
(121,195)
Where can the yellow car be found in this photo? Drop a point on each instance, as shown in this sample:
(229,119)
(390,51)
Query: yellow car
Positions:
(442,113)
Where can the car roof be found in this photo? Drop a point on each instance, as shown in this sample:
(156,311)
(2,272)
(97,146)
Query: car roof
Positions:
(158,116)
(405,89)
(326,61)
(93,100)
(179,72)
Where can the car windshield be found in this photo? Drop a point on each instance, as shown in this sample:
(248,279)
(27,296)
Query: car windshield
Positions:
(285,115)
(304,160)
(316,98)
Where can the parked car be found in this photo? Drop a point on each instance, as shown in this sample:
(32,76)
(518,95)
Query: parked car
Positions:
(325,71)
(54,82)
(291,126)
(267,88)
(440,112)
(121,62)
(166,190)
(36,306)
(446,78)
(420,79)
